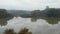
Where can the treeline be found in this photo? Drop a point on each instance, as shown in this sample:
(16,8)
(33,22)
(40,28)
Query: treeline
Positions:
(50,12)
(4,14)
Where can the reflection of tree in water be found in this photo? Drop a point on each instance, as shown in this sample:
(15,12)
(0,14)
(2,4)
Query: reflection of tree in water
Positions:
(50,20)
(22,31)
(4,21)
(33,19)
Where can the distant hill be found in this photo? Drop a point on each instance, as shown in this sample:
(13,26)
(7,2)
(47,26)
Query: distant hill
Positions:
(48,12)
(18,12)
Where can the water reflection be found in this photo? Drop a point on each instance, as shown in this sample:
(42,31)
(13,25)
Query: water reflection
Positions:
(50,20)
(38,27)
(3,21)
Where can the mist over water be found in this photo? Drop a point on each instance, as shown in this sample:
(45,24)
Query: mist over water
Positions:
(39,27)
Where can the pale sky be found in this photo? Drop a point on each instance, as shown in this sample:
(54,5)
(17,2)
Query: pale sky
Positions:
(29,4)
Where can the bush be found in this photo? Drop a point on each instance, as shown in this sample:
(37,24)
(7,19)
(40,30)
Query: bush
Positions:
(22,31)
(9,31)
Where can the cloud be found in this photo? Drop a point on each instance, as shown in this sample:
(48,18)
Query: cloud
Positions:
(28,4)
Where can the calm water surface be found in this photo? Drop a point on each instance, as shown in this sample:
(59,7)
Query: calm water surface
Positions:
(39,27)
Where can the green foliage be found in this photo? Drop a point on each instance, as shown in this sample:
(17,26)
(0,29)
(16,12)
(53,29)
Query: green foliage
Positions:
(53,13)
(52,20)
(9,31)
(3,22)
(2,13)
(4,16)
(22,31)
(35,13)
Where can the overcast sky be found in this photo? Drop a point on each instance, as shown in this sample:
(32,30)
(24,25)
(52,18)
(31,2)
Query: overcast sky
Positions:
(29,4)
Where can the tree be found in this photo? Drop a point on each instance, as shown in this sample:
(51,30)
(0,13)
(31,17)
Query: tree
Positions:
(35,13)
(4,16)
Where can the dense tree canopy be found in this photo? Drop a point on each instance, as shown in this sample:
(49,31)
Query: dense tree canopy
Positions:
(4,16)
(53,13)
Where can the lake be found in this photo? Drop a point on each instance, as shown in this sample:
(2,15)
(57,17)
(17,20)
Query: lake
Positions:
(39,27)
